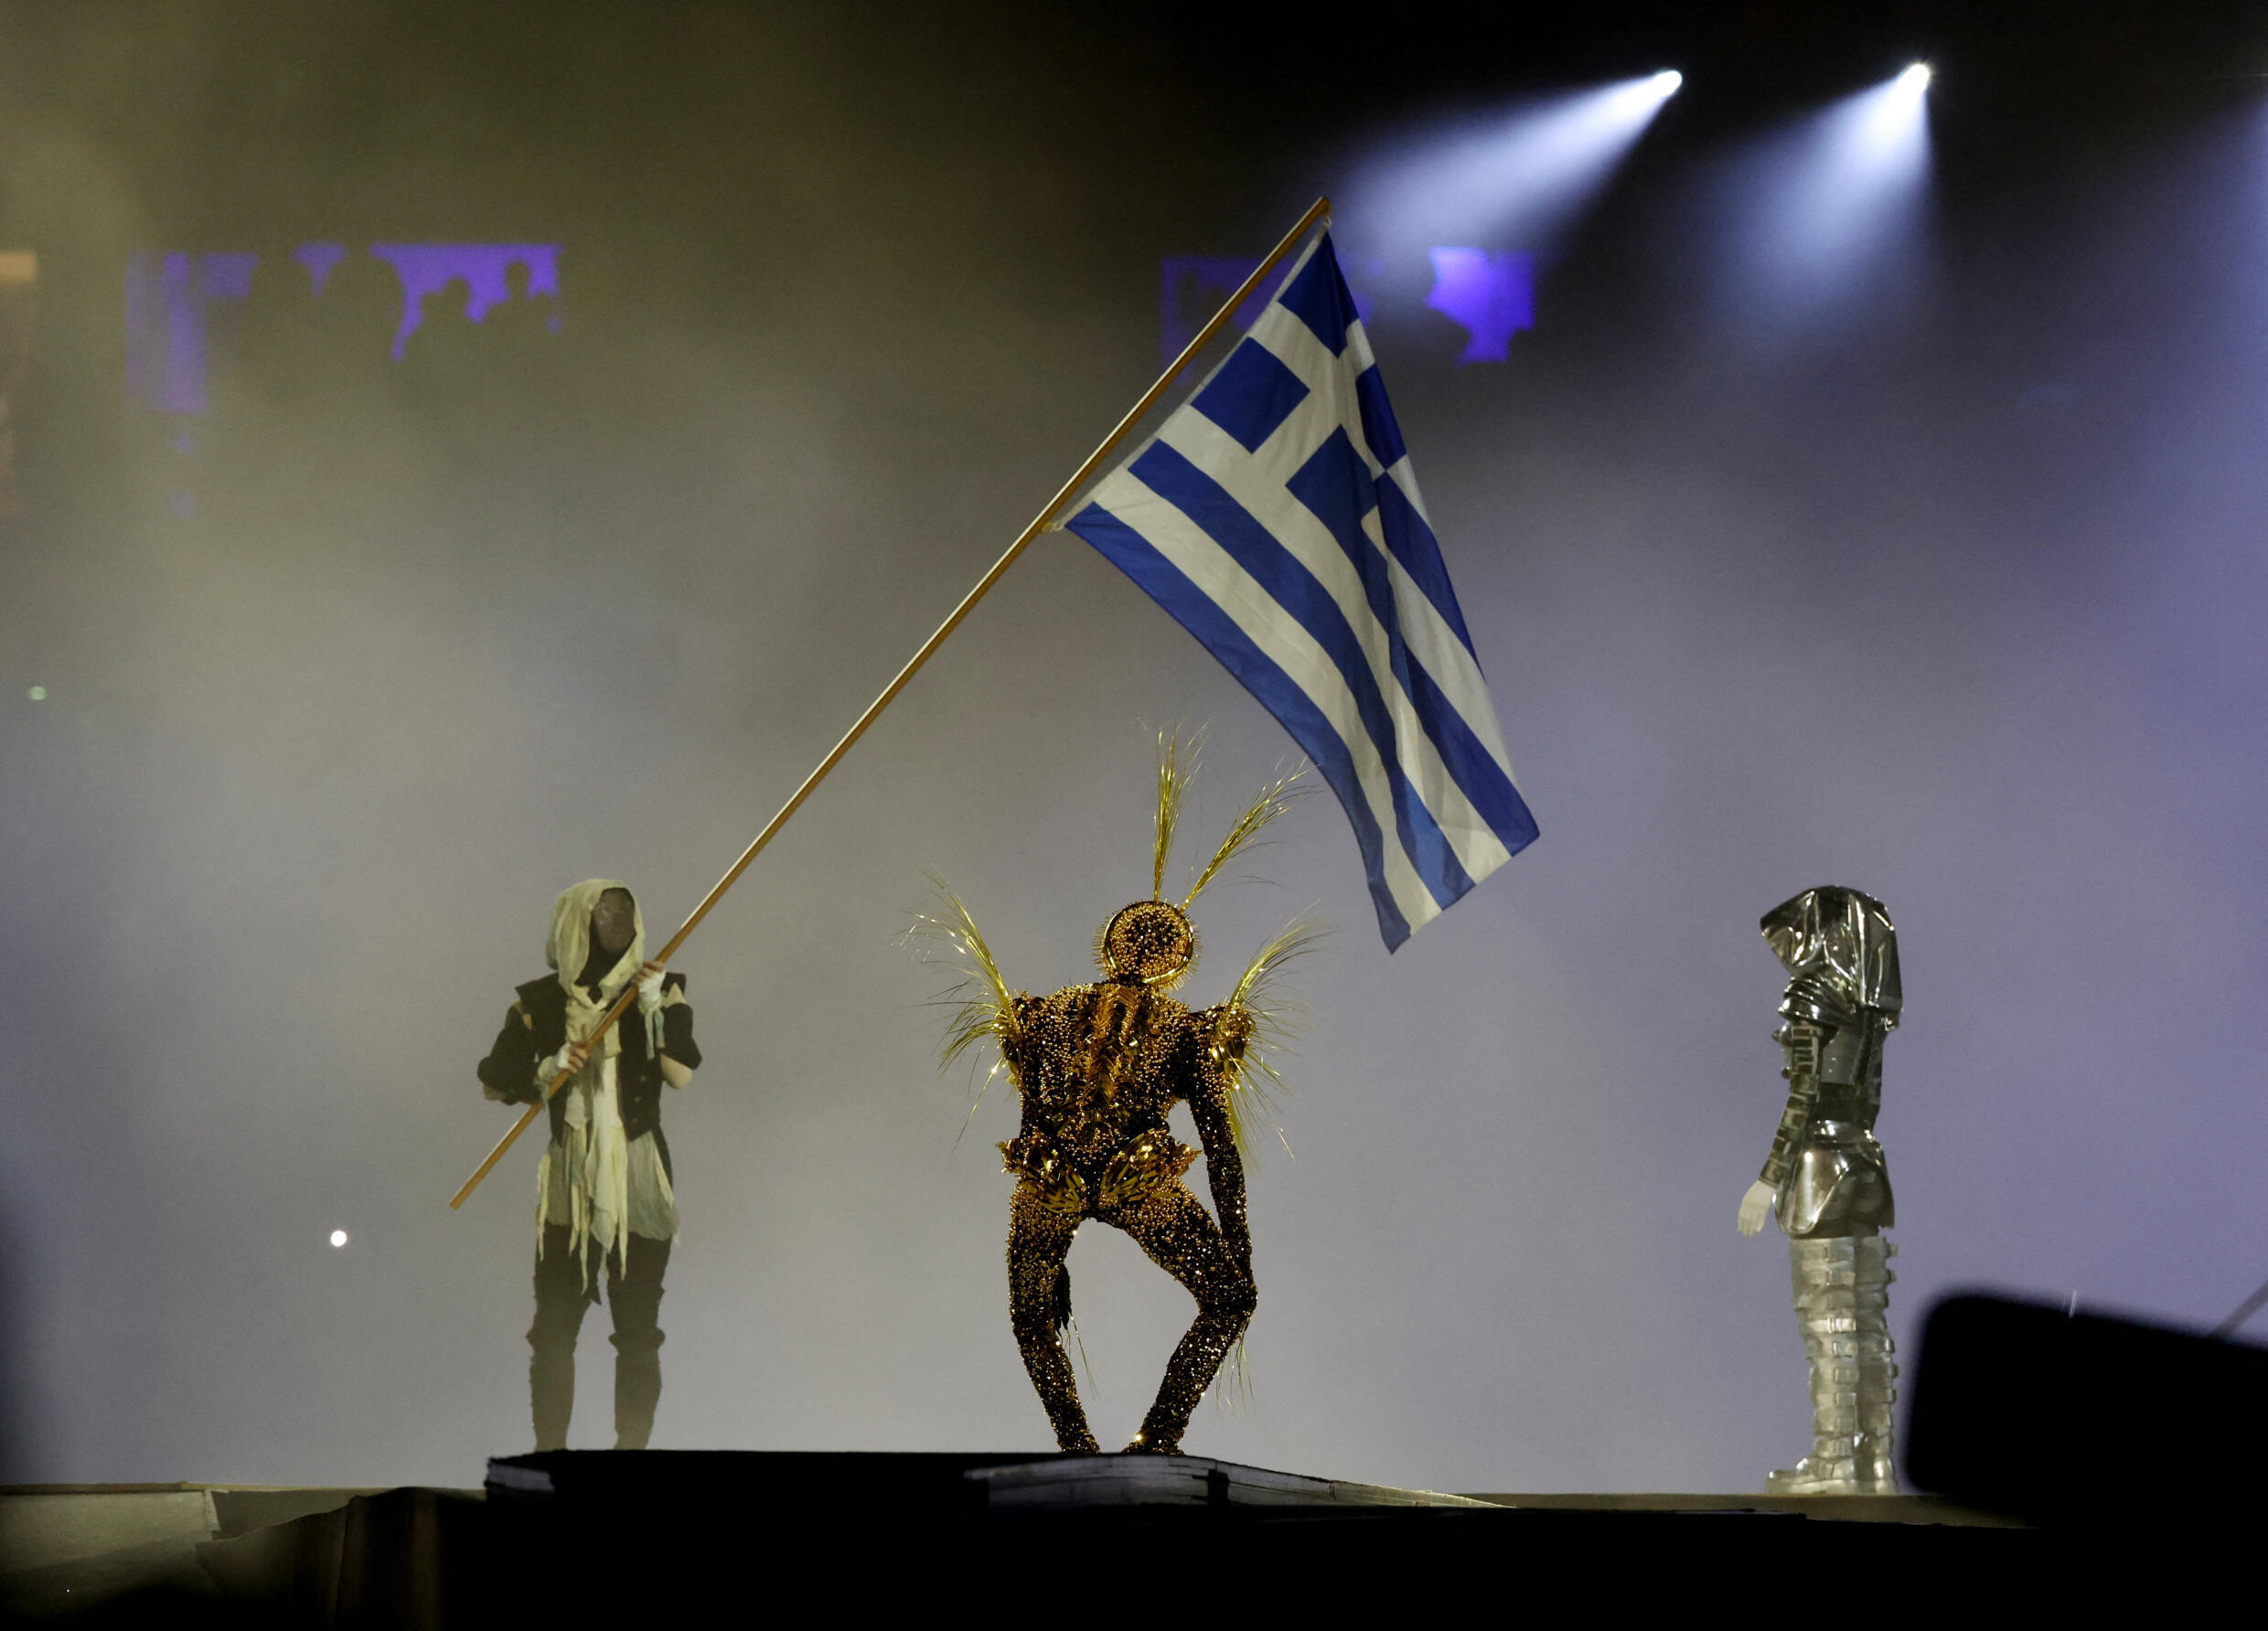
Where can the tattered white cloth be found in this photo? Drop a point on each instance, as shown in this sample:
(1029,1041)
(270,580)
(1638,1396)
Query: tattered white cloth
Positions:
(600,1186)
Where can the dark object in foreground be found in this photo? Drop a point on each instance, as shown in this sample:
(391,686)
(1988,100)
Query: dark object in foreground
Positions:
(2059,1418)
(867,1532)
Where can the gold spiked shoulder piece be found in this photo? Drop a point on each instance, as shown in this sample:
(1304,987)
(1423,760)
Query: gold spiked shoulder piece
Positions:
(978,1001)
(1245,1035)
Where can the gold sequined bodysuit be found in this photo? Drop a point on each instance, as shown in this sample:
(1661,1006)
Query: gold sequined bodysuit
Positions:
(1100,1066)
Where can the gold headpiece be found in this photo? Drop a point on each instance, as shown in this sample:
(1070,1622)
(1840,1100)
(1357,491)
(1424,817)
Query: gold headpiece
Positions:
(1152,942)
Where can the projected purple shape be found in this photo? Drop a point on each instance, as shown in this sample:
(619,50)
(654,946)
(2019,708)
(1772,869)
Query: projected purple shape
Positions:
(1492,297)
(426,269)
(1190,289)
(168,324)
(318,259)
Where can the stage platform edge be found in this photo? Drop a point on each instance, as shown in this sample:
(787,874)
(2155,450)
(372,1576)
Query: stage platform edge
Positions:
(288,1554)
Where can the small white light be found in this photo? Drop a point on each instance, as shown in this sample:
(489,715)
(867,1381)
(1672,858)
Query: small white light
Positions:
(38,693)
(1917,77)
(1668,80)
(338,1236)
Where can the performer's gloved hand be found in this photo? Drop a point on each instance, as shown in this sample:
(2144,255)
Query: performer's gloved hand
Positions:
(567,1061)
(648,986)
(1755,1207)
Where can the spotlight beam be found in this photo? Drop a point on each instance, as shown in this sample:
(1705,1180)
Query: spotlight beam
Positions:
(1835,197)
(1520,176)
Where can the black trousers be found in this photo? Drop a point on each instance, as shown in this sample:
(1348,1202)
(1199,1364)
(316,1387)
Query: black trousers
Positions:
(634,1295)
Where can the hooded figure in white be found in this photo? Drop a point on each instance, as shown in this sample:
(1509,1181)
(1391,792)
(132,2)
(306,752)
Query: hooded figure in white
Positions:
(605,1204)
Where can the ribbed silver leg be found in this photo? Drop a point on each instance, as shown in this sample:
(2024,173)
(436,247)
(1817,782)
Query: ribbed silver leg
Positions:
(1843,1303)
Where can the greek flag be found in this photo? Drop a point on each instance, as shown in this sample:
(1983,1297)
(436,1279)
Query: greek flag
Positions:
(1275,517)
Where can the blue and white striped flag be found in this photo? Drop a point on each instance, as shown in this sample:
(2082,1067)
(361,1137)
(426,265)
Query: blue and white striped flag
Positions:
(1274,516)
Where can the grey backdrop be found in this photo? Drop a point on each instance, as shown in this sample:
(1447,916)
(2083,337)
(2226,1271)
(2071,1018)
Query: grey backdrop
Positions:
(1957,601)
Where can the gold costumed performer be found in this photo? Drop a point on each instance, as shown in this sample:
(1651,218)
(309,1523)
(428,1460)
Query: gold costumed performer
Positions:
(1098,1067)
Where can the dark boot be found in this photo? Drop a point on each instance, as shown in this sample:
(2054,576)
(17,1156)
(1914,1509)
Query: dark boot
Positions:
(560,1302)
(552,1395)
(638,1389)
(636,1299)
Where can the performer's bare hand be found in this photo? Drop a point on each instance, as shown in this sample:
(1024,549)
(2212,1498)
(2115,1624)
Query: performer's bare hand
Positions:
(648,971)
(577,1057)
(1755,1207)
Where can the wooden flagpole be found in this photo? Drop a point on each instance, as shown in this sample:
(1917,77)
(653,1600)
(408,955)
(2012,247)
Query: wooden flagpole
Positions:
(1315,212)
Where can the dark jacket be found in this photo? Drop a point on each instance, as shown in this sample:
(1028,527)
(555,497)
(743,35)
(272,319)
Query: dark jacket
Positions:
(535,1027)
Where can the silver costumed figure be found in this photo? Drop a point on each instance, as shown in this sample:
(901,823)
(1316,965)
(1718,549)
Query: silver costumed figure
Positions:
(1827,1180)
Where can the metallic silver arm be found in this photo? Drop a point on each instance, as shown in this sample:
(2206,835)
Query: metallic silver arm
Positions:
(1799,1039)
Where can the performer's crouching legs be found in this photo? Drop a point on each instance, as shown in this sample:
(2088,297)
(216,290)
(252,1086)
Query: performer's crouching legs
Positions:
(1182,1238)
(561,1300)
(636,1300)
(1039,1306)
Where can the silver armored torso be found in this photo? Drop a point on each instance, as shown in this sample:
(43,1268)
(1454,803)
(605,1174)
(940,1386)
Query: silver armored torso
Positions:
(1842,1001)
(1834,1180)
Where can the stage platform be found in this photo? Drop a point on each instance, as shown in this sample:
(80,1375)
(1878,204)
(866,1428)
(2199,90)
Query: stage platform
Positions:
(575,1529)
